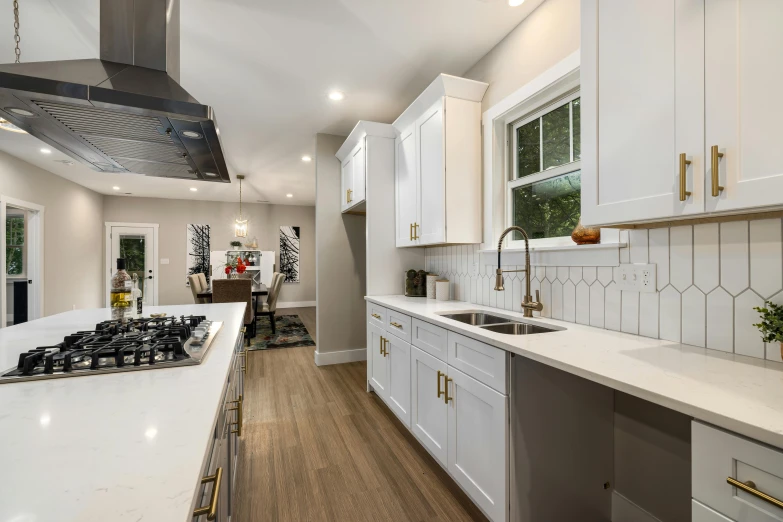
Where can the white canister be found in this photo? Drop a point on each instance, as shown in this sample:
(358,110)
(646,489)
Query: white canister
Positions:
(442,290)
(431,286)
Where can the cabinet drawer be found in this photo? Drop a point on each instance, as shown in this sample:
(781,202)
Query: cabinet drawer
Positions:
(430,338)
(718,455)
(376,315)
(701,513)
(481,361)
(399,325)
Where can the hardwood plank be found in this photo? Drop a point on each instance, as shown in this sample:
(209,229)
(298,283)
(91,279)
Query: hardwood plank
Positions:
(316,446)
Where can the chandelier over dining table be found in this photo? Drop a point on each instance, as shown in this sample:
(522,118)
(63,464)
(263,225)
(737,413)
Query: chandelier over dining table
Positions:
(240,225)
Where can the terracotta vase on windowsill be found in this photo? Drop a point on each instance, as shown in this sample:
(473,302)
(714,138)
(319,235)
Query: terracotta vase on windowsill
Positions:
(586,235)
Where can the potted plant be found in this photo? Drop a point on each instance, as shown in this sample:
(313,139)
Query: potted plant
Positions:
(771,325)
(236,245)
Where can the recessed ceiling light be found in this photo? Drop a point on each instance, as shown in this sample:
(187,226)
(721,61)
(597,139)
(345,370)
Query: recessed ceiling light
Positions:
(515,3)
(289,195)
(115,188)
(210,174)
(20,112)
(307,159)
(193,189)
(46,151)
(191,134)
(336,96)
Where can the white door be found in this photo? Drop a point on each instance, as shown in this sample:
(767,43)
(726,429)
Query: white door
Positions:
(137,245)
(430,143)
(399,378)
(642,106)
(477,442)
(428,408)
(407,187)
(377,359)
(744,52)
(359,172)
(347,175)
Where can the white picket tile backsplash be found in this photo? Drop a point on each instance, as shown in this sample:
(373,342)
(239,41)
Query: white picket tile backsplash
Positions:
(710,277)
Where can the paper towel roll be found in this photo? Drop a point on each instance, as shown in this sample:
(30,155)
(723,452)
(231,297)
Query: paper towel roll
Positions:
(442,290)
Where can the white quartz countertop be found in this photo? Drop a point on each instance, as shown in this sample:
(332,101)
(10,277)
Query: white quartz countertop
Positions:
(738,393)
(111,447)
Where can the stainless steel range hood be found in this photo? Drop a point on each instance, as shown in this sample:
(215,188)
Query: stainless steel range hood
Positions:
(125,112)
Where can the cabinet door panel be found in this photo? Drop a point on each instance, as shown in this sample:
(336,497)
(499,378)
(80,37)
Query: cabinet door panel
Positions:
(347,175)
(642,103)
(477,442)
(406,183)
(432,175)
(399,378)
(428,411)
(359,173)
(744,50)
(376,358)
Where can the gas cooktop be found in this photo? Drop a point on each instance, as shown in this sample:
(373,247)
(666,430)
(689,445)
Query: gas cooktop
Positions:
(139,344)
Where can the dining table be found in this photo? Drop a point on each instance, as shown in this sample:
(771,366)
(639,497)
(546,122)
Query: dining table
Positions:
(258,289)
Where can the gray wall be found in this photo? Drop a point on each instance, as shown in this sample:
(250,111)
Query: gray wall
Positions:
(73,233)
(548,35)
(173,216)
(340,258)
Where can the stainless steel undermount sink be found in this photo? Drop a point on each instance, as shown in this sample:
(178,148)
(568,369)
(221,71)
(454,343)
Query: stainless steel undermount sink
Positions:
(476,318)
(517,329)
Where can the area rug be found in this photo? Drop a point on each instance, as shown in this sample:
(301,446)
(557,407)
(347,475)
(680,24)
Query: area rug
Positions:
(290,332)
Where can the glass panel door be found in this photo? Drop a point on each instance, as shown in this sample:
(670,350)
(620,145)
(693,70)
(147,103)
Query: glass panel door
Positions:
(136,246)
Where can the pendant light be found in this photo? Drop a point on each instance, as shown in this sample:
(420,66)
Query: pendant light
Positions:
(240,225)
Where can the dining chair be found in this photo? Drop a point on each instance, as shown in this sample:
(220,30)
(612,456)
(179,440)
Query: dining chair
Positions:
(204,285)
(195,288)
(269,308)
(237,291)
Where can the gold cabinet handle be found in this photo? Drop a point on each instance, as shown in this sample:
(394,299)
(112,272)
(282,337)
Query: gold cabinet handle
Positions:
(350,196)
(415,231)
(750,487)
(385,343)
(683,177)
(396,325)
(376,316)
(411,231)
(238,408)
(440,374)
(211,510)
(446,381)
(380,348)
(716,156)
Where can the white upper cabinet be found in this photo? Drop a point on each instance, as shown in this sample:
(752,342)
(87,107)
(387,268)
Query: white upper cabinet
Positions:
(743,57)
(353,156)
(642,106)
(665,82)
(438,166)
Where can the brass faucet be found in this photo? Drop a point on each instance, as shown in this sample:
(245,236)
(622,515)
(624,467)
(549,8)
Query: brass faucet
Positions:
(528,305)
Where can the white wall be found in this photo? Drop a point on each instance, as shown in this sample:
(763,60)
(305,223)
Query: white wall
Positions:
(340,259)
(173,216)
(73,233)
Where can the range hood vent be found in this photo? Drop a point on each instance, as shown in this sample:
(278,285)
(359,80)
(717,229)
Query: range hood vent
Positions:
(125,112)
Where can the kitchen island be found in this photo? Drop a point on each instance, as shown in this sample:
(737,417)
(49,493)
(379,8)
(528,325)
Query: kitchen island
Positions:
(616,423)
(119,446)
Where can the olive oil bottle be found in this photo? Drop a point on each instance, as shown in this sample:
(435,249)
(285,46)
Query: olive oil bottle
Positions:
(121,287)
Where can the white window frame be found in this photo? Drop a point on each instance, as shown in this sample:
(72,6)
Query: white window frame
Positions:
(554,100)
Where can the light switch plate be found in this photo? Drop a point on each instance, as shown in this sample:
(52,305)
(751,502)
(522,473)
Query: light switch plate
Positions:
(164,261)
(639,277)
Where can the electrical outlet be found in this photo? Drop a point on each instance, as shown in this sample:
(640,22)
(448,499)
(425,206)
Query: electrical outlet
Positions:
(637,277)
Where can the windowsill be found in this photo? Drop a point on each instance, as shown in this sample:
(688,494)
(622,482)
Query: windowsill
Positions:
(559,248)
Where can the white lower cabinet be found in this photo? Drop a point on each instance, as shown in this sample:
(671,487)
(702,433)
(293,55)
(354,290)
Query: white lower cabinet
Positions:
(701,513)
(398,364)
(377,371)
(429,414)
(477,441)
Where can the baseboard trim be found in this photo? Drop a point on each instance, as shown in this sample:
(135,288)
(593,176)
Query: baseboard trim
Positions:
(341,357)
(296,304)
(623,510)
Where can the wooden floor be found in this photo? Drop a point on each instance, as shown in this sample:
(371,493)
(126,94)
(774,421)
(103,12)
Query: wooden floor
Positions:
(317,446)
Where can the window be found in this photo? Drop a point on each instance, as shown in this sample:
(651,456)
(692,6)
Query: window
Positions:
(15,245)
(544,187)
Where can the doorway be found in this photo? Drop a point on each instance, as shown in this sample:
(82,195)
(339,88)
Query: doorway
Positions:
(21,261)
(137,243)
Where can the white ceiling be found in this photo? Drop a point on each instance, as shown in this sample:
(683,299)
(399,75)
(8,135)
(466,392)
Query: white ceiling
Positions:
(266,66)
